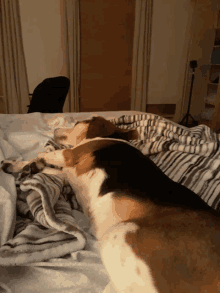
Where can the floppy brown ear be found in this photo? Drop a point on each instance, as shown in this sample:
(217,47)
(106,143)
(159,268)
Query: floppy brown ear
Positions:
(100,127)
(126,134)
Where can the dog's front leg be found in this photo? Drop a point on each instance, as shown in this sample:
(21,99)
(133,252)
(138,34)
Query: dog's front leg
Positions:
(55,158)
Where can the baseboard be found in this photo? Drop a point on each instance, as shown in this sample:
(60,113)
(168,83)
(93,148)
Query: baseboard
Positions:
(166,110)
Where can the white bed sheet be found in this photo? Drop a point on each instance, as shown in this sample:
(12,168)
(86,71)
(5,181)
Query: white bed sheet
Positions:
(22,137)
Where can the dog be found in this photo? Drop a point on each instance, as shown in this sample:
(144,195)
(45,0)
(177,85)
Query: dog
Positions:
(155,235)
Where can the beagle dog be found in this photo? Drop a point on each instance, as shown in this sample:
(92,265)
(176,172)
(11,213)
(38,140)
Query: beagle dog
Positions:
(155,235)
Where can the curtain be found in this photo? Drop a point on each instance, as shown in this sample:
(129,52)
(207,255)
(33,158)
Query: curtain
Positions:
(141,54)
(71,31)
(12,61)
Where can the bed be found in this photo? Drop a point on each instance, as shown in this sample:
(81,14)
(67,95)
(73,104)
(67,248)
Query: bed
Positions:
(38,258)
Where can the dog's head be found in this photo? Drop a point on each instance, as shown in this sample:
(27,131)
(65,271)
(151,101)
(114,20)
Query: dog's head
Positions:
(91,128)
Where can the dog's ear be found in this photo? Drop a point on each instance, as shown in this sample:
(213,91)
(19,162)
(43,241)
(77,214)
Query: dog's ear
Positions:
(100,127)
(127,135)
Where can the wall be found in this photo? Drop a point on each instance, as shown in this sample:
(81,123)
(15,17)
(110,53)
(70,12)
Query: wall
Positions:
(200,44)
(41,31)
(168,55)
(201,49)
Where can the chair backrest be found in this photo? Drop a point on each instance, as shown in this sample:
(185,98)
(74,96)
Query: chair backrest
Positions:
(50,95)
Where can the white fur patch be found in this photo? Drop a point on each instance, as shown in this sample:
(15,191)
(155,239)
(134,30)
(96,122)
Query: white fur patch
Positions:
(128,272)
(97,208)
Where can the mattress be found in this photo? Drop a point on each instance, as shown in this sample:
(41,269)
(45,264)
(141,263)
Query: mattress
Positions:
(188,156)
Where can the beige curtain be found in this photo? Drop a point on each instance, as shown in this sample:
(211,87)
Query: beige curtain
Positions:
(141,54)
(71,30)
(12,61)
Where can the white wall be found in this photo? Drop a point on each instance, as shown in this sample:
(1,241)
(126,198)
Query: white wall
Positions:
(41,31)
(168,57)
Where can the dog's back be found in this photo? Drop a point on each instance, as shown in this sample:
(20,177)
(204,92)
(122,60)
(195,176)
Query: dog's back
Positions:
(138,177)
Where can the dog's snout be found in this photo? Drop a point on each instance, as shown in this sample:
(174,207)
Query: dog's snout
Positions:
(6,167)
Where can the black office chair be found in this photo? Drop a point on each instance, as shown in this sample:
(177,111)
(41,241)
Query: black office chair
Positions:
(50,95)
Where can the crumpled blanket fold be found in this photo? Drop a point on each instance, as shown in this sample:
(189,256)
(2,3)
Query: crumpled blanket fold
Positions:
(45,227)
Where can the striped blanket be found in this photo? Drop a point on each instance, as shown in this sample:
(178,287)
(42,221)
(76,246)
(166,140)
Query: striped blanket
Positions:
(45,226)
(189,156)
